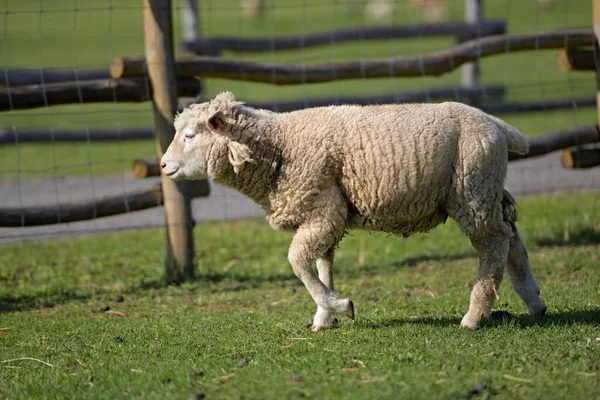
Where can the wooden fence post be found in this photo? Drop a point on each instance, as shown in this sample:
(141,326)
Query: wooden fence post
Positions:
(160,61)
(596,14)
(470,72)
(191,24)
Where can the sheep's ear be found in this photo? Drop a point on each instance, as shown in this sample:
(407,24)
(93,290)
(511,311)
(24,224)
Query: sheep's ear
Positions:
(239,154)
(217,123)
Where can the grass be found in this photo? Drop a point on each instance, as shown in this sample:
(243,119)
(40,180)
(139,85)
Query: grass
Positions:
(66,34)
(97,311)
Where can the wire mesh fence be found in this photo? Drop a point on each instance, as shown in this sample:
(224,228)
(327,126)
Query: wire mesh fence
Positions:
(80,39)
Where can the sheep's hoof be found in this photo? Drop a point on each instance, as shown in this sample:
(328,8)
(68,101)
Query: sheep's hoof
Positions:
(539,314)
(318,328)
(469,323)
(350,311)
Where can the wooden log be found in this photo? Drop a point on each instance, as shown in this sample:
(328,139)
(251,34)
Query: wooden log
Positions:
(106,90)
(596,19)
(538,106)
(580,158)
(9,136)
(467,31)
(575,59)
(145,167)
(424,95)
(82,211)
(558,141)
(158,38)
(21,76)
(538,146)
(431,64)
(430,95)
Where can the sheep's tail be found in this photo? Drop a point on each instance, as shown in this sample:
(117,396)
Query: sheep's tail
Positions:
(509,208)
(517,143)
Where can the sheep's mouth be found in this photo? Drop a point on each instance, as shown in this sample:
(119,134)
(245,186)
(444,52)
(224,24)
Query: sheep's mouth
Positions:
(172,173)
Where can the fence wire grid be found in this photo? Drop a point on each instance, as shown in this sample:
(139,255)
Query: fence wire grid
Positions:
(80,37)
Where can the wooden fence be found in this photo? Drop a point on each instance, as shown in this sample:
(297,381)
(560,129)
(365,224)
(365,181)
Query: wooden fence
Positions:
(161,78)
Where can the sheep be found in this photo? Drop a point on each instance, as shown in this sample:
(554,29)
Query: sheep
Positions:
(253,9)
(401,169)
(433,10)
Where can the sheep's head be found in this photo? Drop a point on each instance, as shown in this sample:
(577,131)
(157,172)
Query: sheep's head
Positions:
(203,145)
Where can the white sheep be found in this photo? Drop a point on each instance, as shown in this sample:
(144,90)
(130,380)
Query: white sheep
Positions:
(400,169)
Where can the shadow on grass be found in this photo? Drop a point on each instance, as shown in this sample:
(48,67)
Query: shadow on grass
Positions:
(355,271)
(582,237)
(213,282)
(227,281)
(37,301)
(563,318)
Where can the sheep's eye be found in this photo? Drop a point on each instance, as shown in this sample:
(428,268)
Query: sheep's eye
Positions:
(188,134)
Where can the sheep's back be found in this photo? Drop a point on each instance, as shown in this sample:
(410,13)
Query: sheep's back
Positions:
(396,165)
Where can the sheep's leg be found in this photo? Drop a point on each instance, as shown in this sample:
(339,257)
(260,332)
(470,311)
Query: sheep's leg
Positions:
(493,253)
(522,278)
(310,243)
(325,268)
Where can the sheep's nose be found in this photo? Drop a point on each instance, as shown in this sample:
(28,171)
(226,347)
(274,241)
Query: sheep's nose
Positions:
(163,165)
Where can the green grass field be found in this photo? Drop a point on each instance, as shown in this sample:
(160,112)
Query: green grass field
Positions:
(97,311)
(90,33)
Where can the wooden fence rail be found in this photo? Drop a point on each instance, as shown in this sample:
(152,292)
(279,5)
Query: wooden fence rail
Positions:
(455,93)
(575,59)
(559,140)
(148,167)
(464,31)
(152,197)
(433,64)
(21,77)
(105,90)
(581,157)
(538,106)
(81,211)
(418,96)
(8,136)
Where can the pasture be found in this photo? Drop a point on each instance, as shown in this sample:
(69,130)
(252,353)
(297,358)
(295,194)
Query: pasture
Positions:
(97,311)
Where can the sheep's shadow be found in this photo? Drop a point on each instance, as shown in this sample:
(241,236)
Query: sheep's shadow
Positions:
(355,271)
(498,319)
